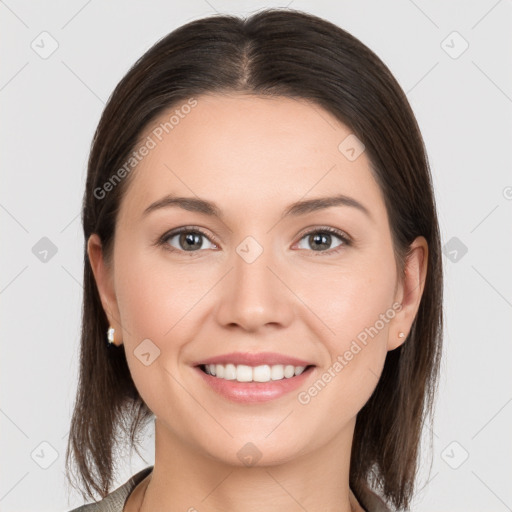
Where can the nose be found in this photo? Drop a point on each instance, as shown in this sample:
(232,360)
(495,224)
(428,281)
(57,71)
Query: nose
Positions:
(254,294)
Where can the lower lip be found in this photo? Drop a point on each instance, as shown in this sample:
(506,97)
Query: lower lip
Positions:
(254,392)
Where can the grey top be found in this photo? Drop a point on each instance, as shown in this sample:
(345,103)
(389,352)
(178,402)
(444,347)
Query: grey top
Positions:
(372,502)
(115,501)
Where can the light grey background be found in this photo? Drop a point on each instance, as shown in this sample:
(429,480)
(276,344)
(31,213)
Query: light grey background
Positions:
(50,108)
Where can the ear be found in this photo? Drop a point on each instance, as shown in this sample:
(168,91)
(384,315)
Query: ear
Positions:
(410,291)
(103,275)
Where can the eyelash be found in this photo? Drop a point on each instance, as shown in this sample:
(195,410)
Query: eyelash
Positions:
(163,240)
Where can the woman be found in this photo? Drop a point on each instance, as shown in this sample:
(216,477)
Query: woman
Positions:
(262,275)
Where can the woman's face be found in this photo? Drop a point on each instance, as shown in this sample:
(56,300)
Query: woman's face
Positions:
(260,278)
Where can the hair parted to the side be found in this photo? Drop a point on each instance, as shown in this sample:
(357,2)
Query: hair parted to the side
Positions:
(286,53)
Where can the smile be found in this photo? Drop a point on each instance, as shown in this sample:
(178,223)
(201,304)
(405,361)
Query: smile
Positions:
(245,373)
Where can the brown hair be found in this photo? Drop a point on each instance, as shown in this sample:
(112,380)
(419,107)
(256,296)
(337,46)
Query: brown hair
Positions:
(279,53)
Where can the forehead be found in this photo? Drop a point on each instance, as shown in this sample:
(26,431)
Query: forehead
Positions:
(249,152)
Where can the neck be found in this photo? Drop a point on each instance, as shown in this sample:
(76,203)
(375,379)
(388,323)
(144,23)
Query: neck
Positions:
(185,479)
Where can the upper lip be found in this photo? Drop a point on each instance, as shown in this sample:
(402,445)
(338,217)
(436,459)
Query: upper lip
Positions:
(254,359)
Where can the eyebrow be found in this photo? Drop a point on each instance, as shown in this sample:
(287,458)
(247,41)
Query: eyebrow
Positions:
(195,204)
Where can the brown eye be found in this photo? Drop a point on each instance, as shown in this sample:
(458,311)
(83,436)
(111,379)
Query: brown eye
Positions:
(322,240)
(187,240)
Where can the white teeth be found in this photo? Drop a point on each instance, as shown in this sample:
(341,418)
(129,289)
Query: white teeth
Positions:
(219,370)
(229,372)
(261,373)
(245,373)
(289,371)
(277,372)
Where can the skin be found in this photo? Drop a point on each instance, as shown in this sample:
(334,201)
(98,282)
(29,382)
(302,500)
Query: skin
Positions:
(253,157)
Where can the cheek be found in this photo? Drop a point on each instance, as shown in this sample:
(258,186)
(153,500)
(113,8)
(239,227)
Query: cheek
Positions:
(158,302)
(153,303)
(353,314)
(352,300)
(354,355)
(153,295)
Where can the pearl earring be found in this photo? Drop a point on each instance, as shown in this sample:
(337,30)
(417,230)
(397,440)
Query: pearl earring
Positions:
(401,335)
(110,335)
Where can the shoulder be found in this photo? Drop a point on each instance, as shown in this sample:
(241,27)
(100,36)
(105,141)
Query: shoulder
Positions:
(114,502)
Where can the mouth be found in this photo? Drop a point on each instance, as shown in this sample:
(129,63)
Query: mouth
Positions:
(254,378)
(246,373)
(246,377)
